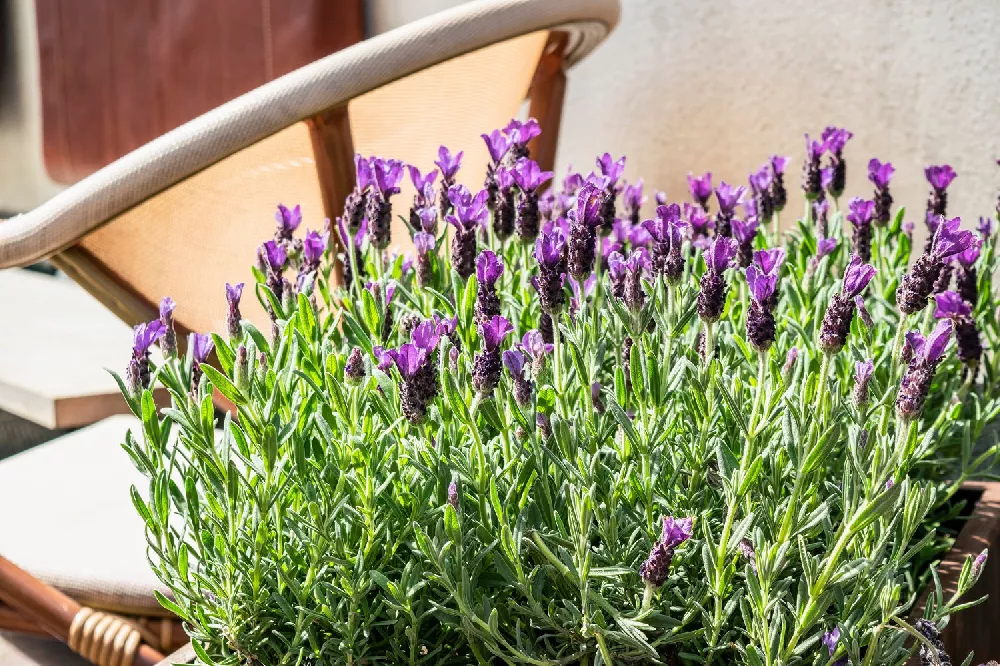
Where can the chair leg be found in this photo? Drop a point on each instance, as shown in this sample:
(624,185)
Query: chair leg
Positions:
(547,90)
(333,150)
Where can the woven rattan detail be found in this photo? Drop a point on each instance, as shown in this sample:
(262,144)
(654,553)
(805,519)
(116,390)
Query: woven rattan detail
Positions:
(103,639)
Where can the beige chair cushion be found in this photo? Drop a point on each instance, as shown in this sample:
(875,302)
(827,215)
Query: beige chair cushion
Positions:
(67,518)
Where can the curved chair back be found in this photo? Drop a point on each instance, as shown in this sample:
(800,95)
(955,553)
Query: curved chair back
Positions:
(185,213)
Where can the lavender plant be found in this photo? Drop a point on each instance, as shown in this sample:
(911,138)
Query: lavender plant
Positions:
(555,436)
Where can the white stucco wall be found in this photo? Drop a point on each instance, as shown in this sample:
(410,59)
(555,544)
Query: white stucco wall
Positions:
(706,84)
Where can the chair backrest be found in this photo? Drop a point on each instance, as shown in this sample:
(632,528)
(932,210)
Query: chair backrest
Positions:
(185,213)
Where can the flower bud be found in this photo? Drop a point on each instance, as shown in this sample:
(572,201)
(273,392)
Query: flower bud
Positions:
(241,370)
(354,369)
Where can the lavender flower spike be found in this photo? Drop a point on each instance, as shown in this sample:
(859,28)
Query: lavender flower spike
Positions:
(969,347)
(666,232)
(655,570)
(835,139)
(424,244)
(288,221)
(201,347)
(582,234)
(470,215)
(744,233)
(514,361)
(840,312)
(550,252)
(760,320)
(916,381)
(812,179)
(489,268)
(233,295)
(967,279)
(701,188)
(779,195)
(712,296)
(168,344)
(633,200)
(863,371)
(143,337)
(378,211)
(449,165)
(487,364)
(729,197)
(880,174)
(940,178)
(529,177)
(860,217)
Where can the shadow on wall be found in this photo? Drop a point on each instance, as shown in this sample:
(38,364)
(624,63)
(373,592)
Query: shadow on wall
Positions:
(686,85)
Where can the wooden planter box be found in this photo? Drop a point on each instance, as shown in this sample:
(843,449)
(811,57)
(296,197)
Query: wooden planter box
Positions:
(976,629)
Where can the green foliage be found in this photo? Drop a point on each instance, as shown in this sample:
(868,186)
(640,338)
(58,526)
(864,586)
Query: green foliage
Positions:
(313,526)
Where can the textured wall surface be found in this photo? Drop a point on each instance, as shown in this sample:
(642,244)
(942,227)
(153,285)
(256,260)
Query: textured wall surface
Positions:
(689,85)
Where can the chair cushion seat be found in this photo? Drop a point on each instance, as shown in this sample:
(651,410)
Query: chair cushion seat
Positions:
(67,518)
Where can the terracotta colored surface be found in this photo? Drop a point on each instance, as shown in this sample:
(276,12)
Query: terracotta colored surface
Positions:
(115,75)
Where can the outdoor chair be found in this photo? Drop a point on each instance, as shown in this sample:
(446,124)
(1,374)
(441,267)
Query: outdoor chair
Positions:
(184,214)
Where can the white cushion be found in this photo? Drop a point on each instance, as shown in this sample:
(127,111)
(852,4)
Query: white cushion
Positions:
(67,518)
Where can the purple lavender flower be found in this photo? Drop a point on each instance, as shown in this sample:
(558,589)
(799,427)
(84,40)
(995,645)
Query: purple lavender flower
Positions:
(168,343)
(201,347)
(655,570)
(633,200)
(840,312)
(448,164)
(453,495)
(812,179)
(357,201)
(529,177)
(863,371)
(354,367)
(143,337)
(940,178)
(551,254)
(489,268)
(929,656)
(288,221)
(967,279)
(861,217)
(582,235)
(314,246)
(985,227)
(514,361)
(916,381)
(424,244)
(745,233)
(729,197)
(760,320)
(274,260)
(712,296)
(233,295)
(660,198)
(423,200)
(880,174)
(387,175)
(497,143)
(835,139)
(779,195)
(520,134)
(917,285)
(487,364)
(667,235)
(701,188)
(611,171)
(969,347)
(700,224)
(626,279)
(383,358)
(830,640)
(978,564)
(470,215)
(825,246)
(760,185)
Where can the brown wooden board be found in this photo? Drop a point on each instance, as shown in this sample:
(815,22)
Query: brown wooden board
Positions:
(115,75)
